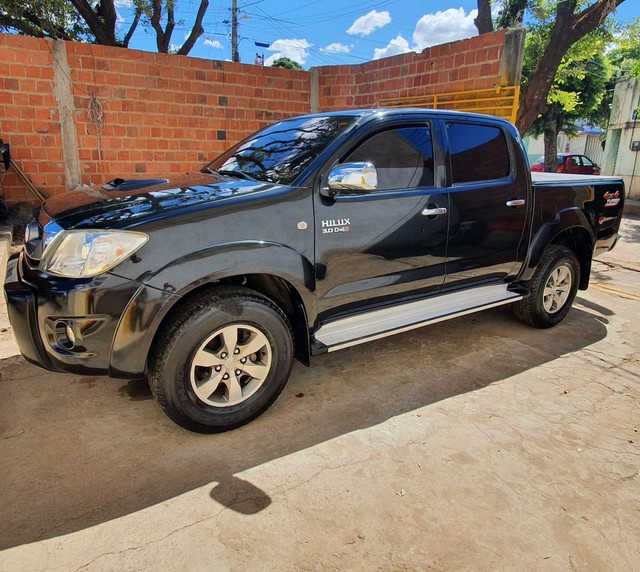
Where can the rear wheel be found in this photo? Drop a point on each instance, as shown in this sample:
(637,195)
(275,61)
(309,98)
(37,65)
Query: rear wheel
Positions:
(223,361)
(551,290)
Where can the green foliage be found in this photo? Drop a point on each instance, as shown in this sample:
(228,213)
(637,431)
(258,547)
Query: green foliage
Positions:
(44,19)
(625,55)
(512,13)
(287,63)
(96,21)
(580,82)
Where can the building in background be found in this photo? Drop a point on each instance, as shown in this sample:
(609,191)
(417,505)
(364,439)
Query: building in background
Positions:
(622,149)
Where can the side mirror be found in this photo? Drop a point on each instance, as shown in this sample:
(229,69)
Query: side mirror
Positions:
(361,177)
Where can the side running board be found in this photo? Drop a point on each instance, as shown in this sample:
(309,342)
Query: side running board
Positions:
(369,326)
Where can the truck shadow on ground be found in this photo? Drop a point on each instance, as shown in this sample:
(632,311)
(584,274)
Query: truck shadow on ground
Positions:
(77,452)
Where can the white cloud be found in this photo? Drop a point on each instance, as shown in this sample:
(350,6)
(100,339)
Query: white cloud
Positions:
(444,26)
(123,3)
(296,49)
(212,43)
(337,48)
(370,22)
(396,46)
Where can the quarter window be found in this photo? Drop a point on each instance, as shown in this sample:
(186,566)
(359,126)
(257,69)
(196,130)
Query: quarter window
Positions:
(403,157)
(478,152)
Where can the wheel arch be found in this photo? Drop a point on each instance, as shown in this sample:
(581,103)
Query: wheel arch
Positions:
(291,289)
(279,290)
(571,229)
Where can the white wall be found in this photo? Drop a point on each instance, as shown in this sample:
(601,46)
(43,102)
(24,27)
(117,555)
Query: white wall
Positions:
(619,159)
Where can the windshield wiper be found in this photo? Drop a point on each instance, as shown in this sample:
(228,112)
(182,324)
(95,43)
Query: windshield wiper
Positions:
(228,173)
(238,174)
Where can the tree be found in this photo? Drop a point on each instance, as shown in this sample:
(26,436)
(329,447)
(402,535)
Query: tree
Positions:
(483,21)
(91,21)
(577,89)
(568,21)
(623,58)
(162,20)
(288,63)
(625,55)
(44,19)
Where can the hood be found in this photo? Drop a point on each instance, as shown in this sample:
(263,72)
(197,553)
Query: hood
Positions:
(108,207)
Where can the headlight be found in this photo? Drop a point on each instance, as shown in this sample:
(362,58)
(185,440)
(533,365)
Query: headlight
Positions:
(86,253)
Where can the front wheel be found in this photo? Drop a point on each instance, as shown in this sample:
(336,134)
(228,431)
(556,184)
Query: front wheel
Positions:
(551,290)
(222,361)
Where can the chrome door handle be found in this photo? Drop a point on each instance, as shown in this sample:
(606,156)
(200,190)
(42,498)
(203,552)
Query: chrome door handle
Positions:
(516,202)
(434,212)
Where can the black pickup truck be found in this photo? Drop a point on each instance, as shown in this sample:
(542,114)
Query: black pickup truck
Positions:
(315,234)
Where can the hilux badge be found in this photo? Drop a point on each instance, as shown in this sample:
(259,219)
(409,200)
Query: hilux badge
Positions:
(335,225)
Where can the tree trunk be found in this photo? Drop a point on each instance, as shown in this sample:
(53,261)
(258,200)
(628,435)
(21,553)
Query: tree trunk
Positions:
(550,150)
(512,13)
(483,21)
(132,28)
(101,23)
(196,31)
(568,28)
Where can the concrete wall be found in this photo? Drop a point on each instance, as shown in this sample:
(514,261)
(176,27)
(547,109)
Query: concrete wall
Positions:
(163,114)
(619,159)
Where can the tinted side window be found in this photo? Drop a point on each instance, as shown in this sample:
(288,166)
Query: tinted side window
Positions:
(403,157)
(478,152)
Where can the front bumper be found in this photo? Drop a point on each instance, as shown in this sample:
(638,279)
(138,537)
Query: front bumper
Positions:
(69,325)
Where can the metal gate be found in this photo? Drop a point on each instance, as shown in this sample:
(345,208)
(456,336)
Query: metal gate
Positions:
(499,101)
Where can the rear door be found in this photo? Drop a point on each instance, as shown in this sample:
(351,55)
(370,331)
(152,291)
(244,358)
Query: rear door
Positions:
(382,245)
(488,203)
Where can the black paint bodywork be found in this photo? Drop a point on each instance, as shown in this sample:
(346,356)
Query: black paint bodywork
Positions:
(206,229)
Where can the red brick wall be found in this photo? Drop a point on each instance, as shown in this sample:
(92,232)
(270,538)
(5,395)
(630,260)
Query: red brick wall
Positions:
(162,113)
(168,114)
(29,117)
(459,66)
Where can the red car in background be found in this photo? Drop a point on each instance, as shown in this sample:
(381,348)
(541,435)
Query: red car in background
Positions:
(570,163)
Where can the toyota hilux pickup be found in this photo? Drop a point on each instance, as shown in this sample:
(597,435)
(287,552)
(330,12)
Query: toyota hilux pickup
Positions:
(315,234)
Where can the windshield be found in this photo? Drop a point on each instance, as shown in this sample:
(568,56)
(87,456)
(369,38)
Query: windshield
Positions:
(279,153)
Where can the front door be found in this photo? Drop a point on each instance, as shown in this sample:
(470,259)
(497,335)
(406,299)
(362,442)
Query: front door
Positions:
(383,244)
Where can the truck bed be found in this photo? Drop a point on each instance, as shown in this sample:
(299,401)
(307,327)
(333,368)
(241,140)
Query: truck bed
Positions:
(538,178)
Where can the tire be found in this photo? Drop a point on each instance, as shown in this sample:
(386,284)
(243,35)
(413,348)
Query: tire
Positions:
(551,290)
(222,361)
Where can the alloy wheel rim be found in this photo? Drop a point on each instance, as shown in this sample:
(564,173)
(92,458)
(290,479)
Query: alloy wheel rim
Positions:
(557,289)
(230,365)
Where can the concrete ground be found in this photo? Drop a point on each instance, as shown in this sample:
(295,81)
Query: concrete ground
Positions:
(477,444)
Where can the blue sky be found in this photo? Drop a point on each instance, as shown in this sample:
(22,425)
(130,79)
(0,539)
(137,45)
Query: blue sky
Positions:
(324,32)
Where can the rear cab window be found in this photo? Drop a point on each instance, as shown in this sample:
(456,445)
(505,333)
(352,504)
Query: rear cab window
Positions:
(478,152)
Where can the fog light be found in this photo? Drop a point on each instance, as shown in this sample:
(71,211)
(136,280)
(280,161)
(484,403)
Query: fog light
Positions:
(65,335)
(70,335)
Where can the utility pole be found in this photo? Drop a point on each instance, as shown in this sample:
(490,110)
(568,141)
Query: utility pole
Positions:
(235,56)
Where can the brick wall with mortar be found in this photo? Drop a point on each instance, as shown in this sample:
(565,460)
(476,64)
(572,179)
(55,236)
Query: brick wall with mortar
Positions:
(474,63)
(166,114)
